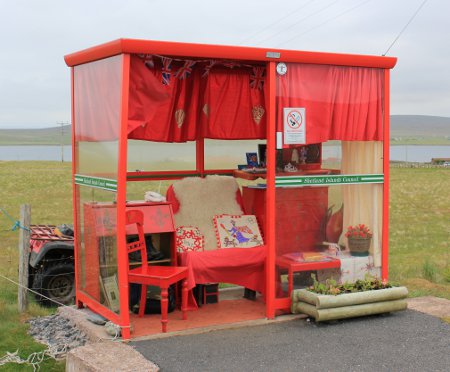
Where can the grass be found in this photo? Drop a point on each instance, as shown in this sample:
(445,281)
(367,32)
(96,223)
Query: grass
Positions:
(419,235)
(419,229)
(46,187)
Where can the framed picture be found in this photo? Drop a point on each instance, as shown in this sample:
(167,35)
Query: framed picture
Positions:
(111,291)
(252,159)
(237,231)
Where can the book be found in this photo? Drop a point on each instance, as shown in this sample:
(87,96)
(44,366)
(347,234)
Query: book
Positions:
(252,159)
(306,256)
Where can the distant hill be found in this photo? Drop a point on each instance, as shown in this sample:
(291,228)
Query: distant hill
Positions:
(41,136)
(409,129)
(420,125)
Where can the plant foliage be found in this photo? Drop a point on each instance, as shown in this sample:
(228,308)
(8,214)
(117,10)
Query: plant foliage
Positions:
(330,287)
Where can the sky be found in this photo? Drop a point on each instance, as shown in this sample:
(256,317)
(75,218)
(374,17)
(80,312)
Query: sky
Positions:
(35,36)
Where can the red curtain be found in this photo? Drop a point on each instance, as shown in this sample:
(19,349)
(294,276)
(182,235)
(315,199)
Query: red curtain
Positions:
(163,104)
(342,103)
(183,100)
(234,104)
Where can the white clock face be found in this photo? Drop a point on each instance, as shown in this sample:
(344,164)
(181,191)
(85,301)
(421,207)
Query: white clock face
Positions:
(281,68)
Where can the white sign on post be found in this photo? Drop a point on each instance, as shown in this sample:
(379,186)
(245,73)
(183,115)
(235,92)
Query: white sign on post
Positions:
(294,125)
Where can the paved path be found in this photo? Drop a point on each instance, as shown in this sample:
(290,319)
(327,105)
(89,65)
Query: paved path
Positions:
(403,341)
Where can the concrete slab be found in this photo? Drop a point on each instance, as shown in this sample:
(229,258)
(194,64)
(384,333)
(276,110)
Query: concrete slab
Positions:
(108,356)
(439,307)
(79,317)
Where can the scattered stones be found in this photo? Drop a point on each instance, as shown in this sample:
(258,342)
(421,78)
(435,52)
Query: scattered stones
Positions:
(58,333)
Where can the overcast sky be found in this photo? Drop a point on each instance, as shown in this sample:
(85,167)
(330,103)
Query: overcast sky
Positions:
(36,34)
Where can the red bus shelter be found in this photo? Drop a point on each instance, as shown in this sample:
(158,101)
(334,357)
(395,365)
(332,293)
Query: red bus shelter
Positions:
(314,127)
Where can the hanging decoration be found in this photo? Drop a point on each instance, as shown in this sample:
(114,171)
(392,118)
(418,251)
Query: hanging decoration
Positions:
(258,113)
(179,117)
(186,70)
(166,70)
(257,78)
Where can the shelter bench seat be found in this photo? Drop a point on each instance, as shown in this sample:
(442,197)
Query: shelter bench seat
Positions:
(195,202)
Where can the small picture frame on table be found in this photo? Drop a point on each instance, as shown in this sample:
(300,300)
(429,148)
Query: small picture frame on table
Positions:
(252,159)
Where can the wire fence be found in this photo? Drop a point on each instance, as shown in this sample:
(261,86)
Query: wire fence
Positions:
(406,164)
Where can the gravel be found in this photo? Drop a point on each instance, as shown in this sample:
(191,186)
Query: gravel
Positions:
(58,333)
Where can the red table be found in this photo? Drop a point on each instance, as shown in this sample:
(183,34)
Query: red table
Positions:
(241,266)
(296,266)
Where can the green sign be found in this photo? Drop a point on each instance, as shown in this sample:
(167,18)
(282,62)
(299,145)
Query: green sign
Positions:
(98,182)
(335,179)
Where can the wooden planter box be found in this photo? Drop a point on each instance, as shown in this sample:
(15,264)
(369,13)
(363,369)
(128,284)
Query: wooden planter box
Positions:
(348,305)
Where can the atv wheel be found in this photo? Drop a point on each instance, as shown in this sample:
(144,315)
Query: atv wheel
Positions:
(56,282)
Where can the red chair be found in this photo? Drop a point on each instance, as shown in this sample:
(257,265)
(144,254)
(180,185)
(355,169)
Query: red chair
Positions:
(160,276)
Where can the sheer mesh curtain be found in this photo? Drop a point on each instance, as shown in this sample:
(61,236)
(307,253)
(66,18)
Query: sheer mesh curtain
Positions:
(363,203)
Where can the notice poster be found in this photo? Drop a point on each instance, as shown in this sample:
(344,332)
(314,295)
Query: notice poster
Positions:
(294,125)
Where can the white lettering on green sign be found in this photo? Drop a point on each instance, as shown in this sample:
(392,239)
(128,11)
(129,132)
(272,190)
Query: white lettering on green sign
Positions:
(344,179)
(97,182)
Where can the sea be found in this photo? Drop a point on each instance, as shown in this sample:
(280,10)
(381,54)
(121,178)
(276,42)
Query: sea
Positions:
(408,153)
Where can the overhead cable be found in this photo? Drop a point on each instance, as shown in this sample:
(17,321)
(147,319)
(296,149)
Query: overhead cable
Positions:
(404,28)
(298,22)
(274,23)
(325,22)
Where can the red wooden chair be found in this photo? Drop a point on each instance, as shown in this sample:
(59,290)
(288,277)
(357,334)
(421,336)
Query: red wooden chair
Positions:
(160,276)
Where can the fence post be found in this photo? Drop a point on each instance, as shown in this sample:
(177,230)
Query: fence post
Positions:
(24,253)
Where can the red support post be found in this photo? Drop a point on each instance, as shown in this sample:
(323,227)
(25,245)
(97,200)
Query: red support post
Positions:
(121,203)
(386,143)
(200,156)
(74,188)
(270,202)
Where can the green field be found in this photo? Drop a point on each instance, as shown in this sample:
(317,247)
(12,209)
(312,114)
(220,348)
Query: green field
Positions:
(44,136)
(419,235)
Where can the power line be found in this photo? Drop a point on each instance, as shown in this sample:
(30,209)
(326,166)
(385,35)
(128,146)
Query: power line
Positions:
(274,23)
(299,21)
(404,28)
(325,22)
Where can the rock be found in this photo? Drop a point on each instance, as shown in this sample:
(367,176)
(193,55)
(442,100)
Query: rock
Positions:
(58,333)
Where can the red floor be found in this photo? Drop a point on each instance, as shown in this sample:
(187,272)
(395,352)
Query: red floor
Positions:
(223,312)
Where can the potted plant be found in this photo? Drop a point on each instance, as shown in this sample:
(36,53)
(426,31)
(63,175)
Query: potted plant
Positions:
(359,238)
(330,301)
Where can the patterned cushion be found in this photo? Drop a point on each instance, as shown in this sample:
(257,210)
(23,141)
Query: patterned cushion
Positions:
(237,231)
(189,238)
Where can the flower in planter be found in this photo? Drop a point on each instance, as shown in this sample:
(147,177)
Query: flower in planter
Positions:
(358,232)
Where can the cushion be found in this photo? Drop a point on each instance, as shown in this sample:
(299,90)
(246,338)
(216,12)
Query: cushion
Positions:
(200,199)
(240,231)
(189,238)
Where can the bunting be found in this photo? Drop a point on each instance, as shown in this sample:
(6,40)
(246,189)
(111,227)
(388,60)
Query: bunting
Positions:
(185,70)
(166,70)
(148,60)
(257,78)
(208,67)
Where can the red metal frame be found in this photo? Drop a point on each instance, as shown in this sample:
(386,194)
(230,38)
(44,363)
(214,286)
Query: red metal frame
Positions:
(260,55)
(270,204)
(223,51)
(75,193)
(173,175)
(121,202)
(386,143)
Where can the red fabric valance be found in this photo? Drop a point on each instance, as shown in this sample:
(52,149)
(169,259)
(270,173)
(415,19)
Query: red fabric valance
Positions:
(183,100)
(341,103)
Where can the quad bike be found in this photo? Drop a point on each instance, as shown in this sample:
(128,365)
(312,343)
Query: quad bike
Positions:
(52,270)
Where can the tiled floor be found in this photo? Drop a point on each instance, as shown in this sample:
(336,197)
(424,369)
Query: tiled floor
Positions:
(231,308)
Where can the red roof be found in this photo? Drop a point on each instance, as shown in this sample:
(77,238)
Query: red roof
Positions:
(135,46)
